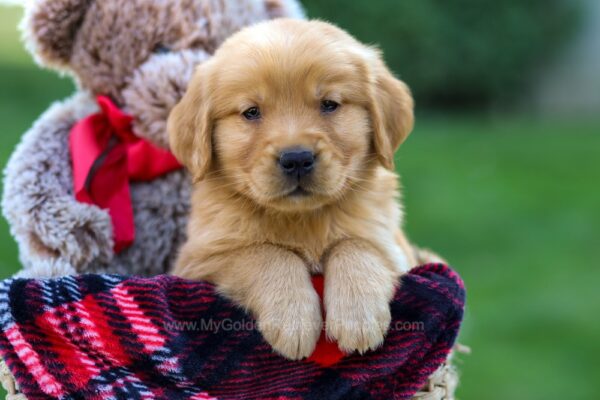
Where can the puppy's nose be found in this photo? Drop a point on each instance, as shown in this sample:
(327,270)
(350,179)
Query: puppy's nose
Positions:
(297,162)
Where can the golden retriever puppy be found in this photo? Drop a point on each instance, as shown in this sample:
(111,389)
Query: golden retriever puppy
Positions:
(290,132)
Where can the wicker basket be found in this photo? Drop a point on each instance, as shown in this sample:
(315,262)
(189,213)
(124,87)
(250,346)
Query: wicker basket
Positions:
(9,384)
(440,386)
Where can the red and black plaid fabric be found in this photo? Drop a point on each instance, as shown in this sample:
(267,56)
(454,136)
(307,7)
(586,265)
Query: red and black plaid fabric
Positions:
(115,337)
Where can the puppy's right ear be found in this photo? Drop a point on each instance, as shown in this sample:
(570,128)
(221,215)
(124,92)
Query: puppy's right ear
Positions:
(190,126)
(50,28)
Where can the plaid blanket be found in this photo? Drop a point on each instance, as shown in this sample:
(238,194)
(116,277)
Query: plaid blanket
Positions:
(116,337)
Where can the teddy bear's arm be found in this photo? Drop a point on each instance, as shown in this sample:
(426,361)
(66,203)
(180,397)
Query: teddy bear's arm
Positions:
(38,201)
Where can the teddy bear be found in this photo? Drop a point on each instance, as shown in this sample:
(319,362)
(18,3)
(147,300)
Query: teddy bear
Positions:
(131,62)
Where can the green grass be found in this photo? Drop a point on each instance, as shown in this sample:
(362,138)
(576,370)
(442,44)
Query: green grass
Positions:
(512,203)
(514,207)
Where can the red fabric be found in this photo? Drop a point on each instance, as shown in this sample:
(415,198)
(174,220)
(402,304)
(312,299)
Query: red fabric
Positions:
(326,353)
(106,154)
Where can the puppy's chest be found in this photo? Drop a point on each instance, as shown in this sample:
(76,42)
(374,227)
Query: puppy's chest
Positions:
(310,244)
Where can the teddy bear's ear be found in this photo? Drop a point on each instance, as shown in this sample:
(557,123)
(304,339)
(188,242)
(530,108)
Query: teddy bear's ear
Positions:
(284,9)
(50,27)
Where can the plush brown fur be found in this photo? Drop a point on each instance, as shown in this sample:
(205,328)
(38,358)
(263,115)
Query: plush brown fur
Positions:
(247,234)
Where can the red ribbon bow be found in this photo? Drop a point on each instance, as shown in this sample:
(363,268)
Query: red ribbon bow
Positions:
(106,155)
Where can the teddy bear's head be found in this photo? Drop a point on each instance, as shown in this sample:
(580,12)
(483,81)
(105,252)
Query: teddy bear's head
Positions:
(141,53)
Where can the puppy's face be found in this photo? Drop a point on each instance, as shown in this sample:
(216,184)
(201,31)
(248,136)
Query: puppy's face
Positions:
(291,114)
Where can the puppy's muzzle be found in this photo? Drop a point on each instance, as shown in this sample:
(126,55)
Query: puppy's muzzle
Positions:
(297,162)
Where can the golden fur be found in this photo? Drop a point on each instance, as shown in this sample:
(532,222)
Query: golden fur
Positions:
(247,234)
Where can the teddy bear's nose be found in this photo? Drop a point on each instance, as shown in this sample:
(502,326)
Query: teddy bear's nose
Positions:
(297,162)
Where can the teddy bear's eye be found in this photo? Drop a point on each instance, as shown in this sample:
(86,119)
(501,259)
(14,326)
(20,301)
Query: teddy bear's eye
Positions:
(161,49)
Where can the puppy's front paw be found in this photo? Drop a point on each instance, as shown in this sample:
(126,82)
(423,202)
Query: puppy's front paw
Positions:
(293,328)
(357,323)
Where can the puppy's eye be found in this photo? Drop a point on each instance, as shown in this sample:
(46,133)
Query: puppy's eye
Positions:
(251,114)
(161,49)
(329,106)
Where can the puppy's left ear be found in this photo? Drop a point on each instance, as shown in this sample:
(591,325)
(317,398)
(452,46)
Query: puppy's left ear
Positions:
(190,126)
(391,112)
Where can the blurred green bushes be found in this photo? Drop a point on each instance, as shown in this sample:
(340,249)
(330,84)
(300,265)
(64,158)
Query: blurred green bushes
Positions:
(459,53)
